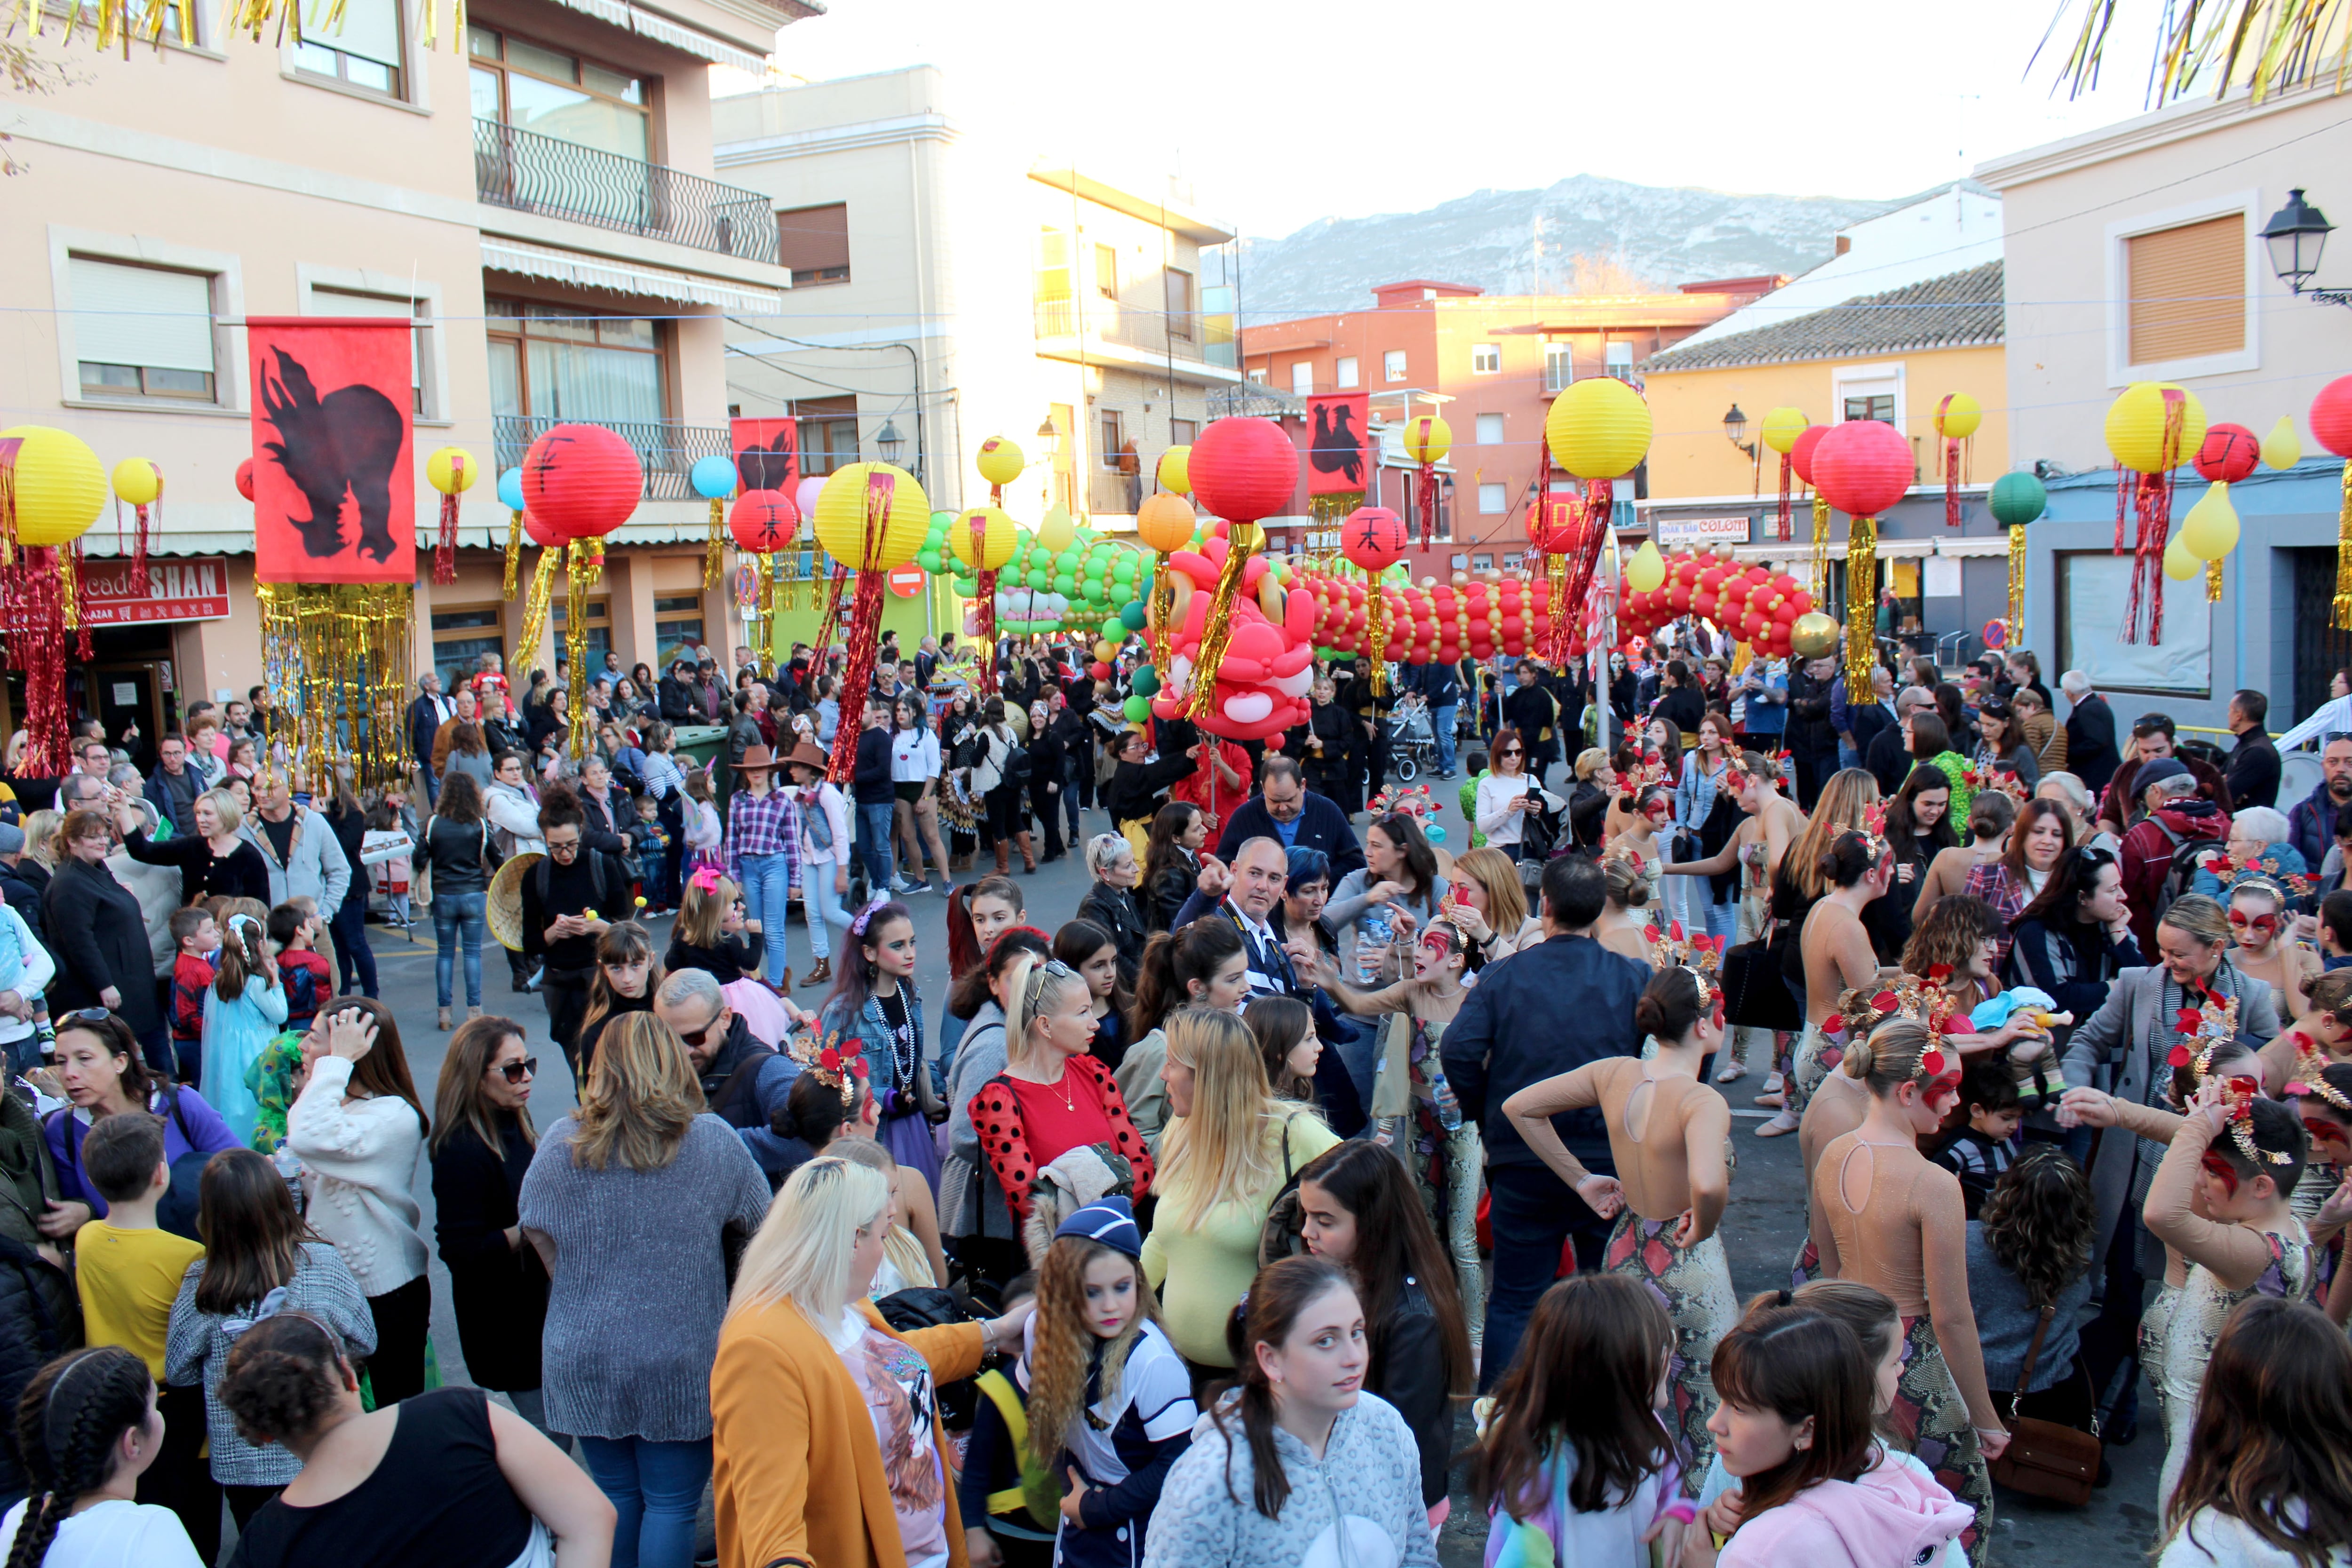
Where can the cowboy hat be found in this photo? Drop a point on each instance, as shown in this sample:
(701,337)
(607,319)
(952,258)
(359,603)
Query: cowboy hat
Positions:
(806,755)
(505,905)
(756,759)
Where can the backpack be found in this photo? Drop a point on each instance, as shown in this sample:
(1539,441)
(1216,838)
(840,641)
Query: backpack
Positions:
(2187,859)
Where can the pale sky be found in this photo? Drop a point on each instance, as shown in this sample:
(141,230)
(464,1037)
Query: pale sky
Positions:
(1282,112)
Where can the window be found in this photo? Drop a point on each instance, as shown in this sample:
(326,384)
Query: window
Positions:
(365,51)
(1057,315)
(1343,370)
(1217,345)
(1183,432)
(1107,272)
(1180,304)
(1482,564)
(814,243)
(1620,362)
(828,433)
(1486,359)
(1878,405)
(2186,290)
(142,332)
(1302,378)
(600,631)
(2092,588)
(461,636)
(1490,429)
(1258,375)
(1494,501)
(565,361)
(533,87)
(1559,366)
(1114,438)
(1393,364)
(341,302)
(1511,562)
(678,626)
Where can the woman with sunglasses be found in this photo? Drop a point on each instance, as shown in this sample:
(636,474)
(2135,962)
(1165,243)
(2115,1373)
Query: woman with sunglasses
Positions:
(1507,793)
(481,1149)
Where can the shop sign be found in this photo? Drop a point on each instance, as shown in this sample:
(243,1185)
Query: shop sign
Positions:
(1702,531)
(177,590)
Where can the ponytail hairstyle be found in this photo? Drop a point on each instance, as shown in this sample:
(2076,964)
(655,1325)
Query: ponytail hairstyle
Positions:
(1278,1024)
(1034,984)
(977,987)
(68,1421)
(704,908)
(1671,1005)
(1277,1299)
(2271,1445)
(1892,1054)
(815,1111)
(1581,1385)
(1990,815)
(1798,1363)
(244,936)
(1173,960)
(285,1374)
(1062,1352)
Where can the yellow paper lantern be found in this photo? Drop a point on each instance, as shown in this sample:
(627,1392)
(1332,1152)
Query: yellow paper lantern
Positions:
(1781,428)
(451,469)
(841,516)
(2283,448)
(1599,430)
(997,538)
(1957,416)
(1427,438)
(60,486)
(1055,531)
(1001,461)
(1176,469)
(2179,564)
(137,481)
(1164,521)
(1647,570)
(2210,530)
(2136,427)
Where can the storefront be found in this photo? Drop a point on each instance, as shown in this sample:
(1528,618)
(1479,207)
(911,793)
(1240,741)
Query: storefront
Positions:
(140,646)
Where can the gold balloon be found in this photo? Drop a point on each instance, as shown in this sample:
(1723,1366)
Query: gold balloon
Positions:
(1814,635)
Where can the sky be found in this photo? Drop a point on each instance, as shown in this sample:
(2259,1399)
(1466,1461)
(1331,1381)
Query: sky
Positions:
(1281,111)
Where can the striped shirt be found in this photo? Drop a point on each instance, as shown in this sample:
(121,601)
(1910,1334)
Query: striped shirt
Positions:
(766,824)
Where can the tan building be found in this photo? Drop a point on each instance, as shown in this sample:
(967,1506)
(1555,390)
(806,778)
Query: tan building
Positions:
(953,287)
(536,194)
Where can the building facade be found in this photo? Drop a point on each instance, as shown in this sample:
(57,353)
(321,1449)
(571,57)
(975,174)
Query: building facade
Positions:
(534,190)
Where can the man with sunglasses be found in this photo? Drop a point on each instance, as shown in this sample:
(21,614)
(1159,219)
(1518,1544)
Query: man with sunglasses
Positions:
(745,1080)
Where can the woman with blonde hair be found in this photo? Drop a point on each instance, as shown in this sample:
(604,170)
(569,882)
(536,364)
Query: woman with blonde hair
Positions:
(864,1452)
(629,1203)
(41,837)
(1229,1150)
(1490,906)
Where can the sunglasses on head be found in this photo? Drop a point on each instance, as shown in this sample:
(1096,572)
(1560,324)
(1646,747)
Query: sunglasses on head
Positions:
(515,1072)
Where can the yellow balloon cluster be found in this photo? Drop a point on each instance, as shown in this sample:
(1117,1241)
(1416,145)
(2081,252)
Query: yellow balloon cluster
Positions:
(1599,430)
(997,537)
(60,486)
(1782,428)
(2136,427)
(841,520)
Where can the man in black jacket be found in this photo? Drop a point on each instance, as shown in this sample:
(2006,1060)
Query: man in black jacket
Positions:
(1285,810)
(1509,1034)
(681,694)
(1679,702)
(876,800)
(2091,754)
(1532,709)
(2254,772)
(1888,756)
(426,717)
(1812,739)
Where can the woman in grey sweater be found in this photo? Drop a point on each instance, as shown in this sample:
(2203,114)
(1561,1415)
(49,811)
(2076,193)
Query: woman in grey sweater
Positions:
(2031,1250)
(1305,1468)
(630,1203)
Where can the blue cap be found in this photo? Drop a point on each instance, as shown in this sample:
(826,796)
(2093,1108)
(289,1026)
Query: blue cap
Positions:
(1110,1221)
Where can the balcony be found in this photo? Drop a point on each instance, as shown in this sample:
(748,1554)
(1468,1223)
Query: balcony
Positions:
(666,450)
(1106,332)
(531,173)
(1114,495)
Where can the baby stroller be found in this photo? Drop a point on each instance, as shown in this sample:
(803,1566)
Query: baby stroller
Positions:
(1412,743)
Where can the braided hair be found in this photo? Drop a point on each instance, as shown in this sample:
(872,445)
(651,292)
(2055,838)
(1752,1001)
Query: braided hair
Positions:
(68,1421)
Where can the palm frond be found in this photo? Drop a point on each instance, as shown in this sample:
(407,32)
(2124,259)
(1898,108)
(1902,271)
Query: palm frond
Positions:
(2263,45)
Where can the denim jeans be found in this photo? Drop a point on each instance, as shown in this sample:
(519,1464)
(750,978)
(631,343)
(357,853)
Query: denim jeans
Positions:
(1534,1214)
(874,826)
(459,918)
(655,1488)
(1723,918)
(352,955)
(822,905)
(767,899)
(1442,720)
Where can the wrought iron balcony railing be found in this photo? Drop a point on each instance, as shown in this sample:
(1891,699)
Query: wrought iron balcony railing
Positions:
(1107,321)
(666,450)
(532,172)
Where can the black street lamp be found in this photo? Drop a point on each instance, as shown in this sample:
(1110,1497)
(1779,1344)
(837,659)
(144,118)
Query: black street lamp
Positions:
(2295,236)
(1735,425)
(888,439)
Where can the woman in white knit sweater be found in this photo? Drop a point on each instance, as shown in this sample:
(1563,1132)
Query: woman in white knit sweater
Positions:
(357,1128)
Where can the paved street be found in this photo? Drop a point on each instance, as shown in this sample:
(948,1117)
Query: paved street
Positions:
(1760,1228)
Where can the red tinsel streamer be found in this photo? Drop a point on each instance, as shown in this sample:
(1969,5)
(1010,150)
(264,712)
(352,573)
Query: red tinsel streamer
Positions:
(830,622)
(1788,527)
(444,552)
(864,622)
(1951,484)
(1429,501)
(2152,505)
(33,613)
(138,549)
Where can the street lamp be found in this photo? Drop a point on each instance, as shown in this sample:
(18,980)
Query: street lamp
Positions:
(2297,235)
(1050,433)
(1735,425)
(888,439)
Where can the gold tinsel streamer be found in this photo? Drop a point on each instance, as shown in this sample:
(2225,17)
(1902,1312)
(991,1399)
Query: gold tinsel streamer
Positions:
(1861,601)
(514,553)
(335,656)
(581,576)
(2017,585)
(69,596)
(534,609)
(1163,605)
(763,572)
(1242,541)
(714,554)
(2343,618)
(1376,638)
(1821,551)
(2213,580)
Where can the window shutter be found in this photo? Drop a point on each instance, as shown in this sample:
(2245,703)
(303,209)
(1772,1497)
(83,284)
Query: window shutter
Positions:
(141,315)
(2188,288)
(814,239)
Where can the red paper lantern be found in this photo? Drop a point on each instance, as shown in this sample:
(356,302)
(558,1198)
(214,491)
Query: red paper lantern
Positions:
(244,478)
(1800,456)
(1373,537)
(763,522)
(1243,469)
(2331,417)
(2229,454)
(540,534)
(1863,467)
(581,481)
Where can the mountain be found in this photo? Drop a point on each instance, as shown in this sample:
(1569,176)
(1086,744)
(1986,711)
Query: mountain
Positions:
(1605,235)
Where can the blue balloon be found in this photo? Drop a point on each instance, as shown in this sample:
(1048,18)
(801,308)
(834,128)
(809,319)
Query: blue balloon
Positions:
(713,479)
(1434,833)
(510,488)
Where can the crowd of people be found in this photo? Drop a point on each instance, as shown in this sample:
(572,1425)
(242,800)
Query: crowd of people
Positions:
(1185,1228)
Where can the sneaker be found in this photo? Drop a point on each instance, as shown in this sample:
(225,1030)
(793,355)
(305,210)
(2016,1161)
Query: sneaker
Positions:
(900,884)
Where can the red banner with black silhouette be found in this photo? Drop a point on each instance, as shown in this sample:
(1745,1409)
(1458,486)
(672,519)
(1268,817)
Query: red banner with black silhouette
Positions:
(1339,445)
(334,488)
(767,453)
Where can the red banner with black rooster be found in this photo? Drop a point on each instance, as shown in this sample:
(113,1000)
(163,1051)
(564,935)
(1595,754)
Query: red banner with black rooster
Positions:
(767,453)
(334,488)
(1340,443)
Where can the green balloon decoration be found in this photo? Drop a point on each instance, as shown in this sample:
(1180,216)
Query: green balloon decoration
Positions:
(928,559)
(1038,580)
(1065,585)
(1123,569)
(1147,680)
(1133,615)
(1137,709)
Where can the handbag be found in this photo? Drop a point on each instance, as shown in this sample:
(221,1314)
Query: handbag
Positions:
(2046,1458)
(1753,993)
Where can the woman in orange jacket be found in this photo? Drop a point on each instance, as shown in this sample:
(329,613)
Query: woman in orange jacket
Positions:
(829,1449)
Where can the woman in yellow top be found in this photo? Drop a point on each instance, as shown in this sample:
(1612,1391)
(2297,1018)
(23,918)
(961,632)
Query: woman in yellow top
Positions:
(1229,1148)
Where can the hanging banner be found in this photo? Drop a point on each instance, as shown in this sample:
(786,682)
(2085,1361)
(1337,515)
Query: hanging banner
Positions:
(334,488)
(767,453)
(1339,448)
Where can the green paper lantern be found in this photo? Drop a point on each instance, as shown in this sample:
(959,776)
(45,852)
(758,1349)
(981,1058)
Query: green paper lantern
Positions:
(2018,498)
(1132,617)
(1137,709)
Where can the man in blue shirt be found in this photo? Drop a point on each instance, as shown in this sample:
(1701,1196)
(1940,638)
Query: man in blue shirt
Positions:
(1764,684)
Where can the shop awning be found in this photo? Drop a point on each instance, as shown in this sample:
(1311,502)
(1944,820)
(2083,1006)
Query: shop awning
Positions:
(702,45)
(1790,553)
(584,271)
(1998,545)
